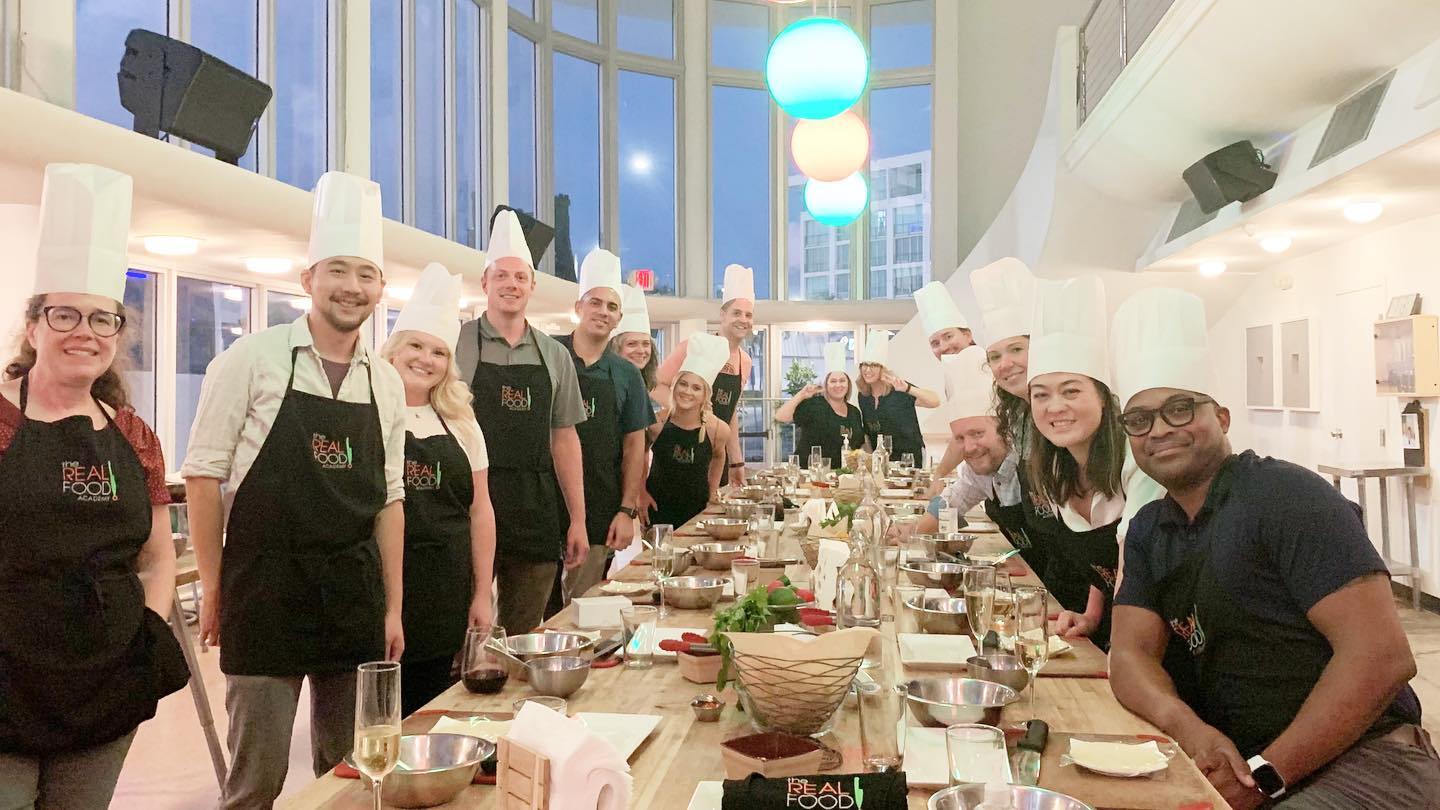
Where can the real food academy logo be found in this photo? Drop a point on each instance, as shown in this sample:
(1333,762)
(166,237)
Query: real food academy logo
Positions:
(827,795)
(331,454)
(89,483)
(515,399)
(421,477)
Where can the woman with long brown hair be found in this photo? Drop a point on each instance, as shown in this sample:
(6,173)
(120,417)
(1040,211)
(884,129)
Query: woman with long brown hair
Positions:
(87,566)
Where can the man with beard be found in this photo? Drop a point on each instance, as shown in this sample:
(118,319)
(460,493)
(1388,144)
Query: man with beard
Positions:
(947,333)
(737,323)
(1255,622)
(307,430)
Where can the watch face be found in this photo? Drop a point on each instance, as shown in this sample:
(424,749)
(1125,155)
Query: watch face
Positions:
(1268,779)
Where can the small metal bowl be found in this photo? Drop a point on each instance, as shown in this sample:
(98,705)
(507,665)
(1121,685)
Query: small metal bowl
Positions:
(956,544)
(901,510)
(531,646)
(692,593)
(433,768)
(1001,668)
(1022,797)
(738,508)
(725,528)
(716,556)
(751,492)
(934,574)
(558,675)
(707,708)
(943,616)
(947,700)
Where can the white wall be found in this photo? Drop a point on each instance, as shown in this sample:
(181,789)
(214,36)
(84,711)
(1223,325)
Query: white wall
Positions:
(1326,284)
(19,227)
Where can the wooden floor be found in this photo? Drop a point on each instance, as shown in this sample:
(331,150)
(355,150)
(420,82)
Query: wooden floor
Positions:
(157,778)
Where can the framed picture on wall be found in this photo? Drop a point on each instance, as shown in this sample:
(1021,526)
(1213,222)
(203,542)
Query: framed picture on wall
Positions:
(1410,431)
(1297,356)
(1260,366)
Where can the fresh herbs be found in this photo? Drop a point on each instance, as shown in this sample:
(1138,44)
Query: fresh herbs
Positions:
(843,511)
(750,614)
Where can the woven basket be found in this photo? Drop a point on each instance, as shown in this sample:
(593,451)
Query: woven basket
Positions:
(797,697)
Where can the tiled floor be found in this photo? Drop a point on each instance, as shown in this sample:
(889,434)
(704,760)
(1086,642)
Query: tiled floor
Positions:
(168,768)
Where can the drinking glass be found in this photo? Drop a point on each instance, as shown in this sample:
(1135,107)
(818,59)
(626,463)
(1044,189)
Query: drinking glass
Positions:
(555,704)
(975,753)
(979,584)
(742,572)
(1002,617)
(907,461)
(482,669)
(1032,632)
(906,619)
(377,721)
(638,624)
(882,720)
(817,454)
(662,567)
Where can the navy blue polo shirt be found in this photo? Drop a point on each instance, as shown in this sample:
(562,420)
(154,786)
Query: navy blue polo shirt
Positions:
(632,401)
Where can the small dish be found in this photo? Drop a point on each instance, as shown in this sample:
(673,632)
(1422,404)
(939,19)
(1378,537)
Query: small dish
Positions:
(771,754)
(1119,759)
(707,708)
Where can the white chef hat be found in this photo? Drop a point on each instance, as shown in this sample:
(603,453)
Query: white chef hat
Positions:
(937,309)
(601,268)
(1068,332)
(434,306)
(969,387)
(1160,341)
(739,283)
(507,240)
(634,314)
(835,358)
(347,219)
(877,347)
(1005,291)
(84,230)
(705,355)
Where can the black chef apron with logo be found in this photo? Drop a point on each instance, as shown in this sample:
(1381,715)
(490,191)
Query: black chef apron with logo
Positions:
(512,404)
(300,574)
(724,399)
(439,576)
(601,448)
(894,415)
(1078,560)
(82,660)
(1034,529)
(679,474)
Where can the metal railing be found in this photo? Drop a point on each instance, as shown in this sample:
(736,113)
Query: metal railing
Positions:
(1110,35)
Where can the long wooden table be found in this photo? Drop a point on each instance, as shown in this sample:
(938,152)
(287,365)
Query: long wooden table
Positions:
(683,752)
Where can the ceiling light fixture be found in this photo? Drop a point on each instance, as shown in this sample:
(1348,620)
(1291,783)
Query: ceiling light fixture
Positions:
(269,265)
(1211,269)
(1276,243)
(171,245)
(1363,211)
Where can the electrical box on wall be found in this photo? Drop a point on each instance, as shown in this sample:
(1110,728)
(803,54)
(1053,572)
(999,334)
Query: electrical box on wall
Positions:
(1407,356)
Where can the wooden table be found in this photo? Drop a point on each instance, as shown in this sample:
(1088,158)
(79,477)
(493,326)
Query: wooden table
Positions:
(683,752)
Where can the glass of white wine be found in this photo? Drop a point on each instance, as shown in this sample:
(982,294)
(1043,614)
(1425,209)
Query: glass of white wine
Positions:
(979,584)
(662,560)
(1032,632)
(377,721)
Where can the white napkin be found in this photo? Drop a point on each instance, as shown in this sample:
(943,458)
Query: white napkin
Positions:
(930,650)
(1118,759)
(599,611)
(828,562)
(491,730)
(585,770)
(815,510)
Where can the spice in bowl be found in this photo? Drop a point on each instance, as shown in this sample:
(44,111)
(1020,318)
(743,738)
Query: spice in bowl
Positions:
(707,708)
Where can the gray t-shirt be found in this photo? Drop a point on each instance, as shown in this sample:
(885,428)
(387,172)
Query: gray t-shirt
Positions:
(567,409)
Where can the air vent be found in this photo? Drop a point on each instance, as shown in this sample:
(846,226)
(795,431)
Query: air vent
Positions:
(1188,218)
(1350,123)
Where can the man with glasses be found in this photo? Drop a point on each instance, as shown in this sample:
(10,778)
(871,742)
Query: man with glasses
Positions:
(1255,622)
(308,432)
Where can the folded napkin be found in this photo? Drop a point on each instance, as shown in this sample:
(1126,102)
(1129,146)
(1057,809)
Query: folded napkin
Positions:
(481,727)
(871,791)
(585,770)
(828,562)
(815,510)
(1118,759)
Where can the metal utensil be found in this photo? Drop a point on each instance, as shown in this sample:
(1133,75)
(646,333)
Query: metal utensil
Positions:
(433,768)
(1029,751)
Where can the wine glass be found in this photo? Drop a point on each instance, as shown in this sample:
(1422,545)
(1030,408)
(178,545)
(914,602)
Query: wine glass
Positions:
(662,560)
(377,721)
(482,670)
(792,473)
(978,582)
(1032,632)
(907,461)
(817,456)
(1002,617)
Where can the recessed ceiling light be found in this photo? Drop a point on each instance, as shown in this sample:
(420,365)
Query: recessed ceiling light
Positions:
(400,293)
(1363,211)
(269,265)
(1211,269)
(1276,243)
(171,245)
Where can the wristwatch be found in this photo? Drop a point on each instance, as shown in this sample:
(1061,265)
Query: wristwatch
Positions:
(1269,780)
(628,512)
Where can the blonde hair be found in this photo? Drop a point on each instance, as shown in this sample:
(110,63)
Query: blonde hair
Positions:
(705,412)
(450,397)
(864,387)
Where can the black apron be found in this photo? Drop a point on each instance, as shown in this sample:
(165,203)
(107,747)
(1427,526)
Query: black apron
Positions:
(300,574)
(439,575)
(601,452)
(679,475)
(82,660)
(894,415)
(1035,531)
(724,399)
(512,404)
(1079,559)
(818,425)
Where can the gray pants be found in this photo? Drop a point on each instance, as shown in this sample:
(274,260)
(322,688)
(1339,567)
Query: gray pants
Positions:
(81,780)
(262,719)
(586,576)
(1398,769)
(524,588)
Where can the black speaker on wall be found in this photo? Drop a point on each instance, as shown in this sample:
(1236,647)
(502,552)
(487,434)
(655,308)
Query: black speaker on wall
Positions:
(172,86)
(1236,173)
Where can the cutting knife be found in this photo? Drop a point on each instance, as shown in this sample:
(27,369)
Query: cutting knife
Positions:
(1028,751)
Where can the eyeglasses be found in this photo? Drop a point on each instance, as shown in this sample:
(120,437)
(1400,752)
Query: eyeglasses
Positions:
(67,319)
(1177,412)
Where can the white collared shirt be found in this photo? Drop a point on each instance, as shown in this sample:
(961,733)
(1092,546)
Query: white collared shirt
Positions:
(245,385)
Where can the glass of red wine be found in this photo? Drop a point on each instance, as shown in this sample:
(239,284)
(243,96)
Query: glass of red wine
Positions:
(482,670)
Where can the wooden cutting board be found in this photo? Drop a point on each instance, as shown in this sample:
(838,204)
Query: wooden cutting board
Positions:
(1180,787)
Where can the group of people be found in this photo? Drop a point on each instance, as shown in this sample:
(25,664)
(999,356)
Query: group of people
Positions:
(346,507)
(1245,611)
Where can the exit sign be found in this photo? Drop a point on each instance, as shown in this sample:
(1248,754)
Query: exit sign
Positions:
(644,278)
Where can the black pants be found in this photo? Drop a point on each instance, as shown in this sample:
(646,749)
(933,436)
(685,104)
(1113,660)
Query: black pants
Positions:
(423,681)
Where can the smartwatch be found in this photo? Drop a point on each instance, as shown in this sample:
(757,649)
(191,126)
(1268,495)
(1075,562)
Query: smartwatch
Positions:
(628,512)
(1269,780)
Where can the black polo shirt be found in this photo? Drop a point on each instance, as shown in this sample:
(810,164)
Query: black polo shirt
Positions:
(817,424)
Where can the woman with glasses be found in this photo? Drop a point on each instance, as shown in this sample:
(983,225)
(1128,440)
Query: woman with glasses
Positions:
(87,566)
(1080,462)
(887,403)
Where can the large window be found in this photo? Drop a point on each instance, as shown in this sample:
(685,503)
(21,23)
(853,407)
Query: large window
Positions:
(140,328)
(521,91)
(902,34)
(647,27)
(647,176)
(302,103)
(430,130)
(740,183)
(229,30)
(208,318)
(802,361)
(755,415)
(469,219)
(901,124)
(739,34)
(387,134)
(284,308)
(577,161)
(100,30)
